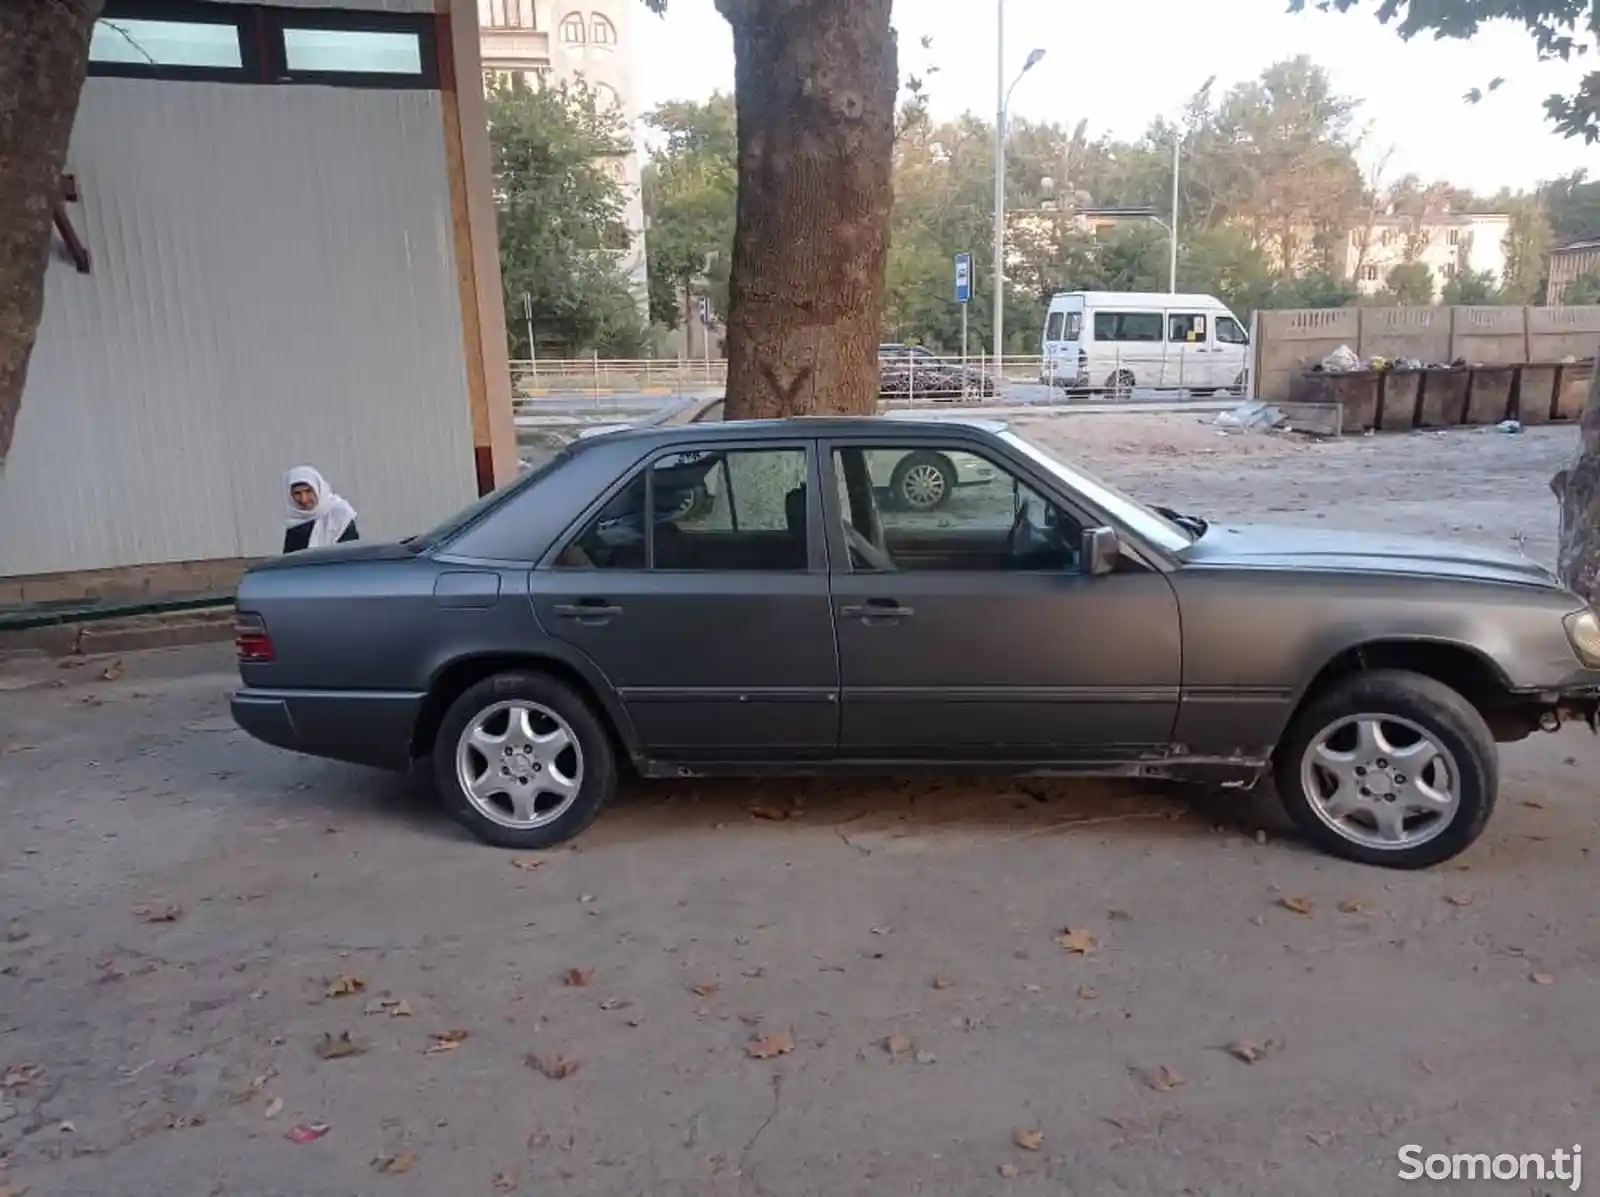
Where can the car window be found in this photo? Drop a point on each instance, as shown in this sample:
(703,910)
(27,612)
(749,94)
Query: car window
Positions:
(707,510)
(1074,328)
(1127,326)
(917,508)
(1186,327)
(1053,326)
(1229,332)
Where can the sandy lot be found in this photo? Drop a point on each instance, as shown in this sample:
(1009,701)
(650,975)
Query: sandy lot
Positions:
(182,908)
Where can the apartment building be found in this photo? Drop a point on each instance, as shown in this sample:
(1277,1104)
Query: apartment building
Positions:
(1572,260)
(1448,244)
(535,43)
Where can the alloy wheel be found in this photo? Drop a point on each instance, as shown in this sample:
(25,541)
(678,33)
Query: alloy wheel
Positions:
(519,764)
(1381,781)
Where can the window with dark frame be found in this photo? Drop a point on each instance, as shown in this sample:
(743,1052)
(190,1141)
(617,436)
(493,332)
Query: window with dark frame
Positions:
(193,40)
(1186,328)
(511,14)
(573,30)
(601,31)
(1128,326)
(1229,332)
(703,511)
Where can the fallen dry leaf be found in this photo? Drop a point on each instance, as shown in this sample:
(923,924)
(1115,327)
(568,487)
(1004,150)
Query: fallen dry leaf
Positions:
(556,1067)
(526,863)
(506,1182)
(1319,1138)
(1532,804)
(344,985)
(446,1041)
(112,671)
(1301,906)
(1028,1139)
(705,988)
(773,813)
(274,1108)
(1008,1171)
(1077,940)
(1542,978)
(1088,992)
(1164,1079)
(765,1047)
(402,1009)
(397,1164)
(943,982)
(577,977)
(1459,899)
(338,1047)
(306,1132)
(166,912)
(1353,906)
(897,1045)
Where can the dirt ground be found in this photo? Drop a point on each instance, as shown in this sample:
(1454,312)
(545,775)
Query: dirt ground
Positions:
(181,908)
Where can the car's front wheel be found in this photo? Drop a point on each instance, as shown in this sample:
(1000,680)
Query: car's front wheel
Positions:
(522,761)
(1389,768)
(922,482)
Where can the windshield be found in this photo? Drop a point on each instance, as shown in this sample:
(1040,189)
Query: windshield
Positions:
(1142,521)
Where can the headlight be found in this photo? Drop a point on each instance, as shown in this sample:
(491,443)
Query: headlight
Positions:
(1583,629)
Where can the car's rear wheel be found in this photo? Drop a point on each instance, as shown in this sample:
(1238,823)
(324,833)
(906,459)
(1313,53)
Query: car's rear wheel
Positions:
(922,482)
(1121,384)
(522,761)
(1389,768)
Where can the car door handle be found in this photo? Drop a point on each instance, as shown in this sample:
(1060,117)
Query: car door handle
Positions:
(588,611)
(876,609)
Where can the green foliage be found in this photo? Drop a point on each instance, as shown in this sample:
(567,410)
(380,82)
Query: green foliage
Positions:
(1527,250)
(690,187)
(560,215)
(1583,289)
(1573,203)
(1470,287)
(1409,284)
(1562,29)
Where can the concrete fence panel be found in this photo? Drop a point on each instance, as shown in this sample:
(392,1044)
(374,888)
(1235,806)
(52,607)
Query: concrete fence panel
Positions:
(1489,336)
(1421,333)
(1290,342)
(1557,333)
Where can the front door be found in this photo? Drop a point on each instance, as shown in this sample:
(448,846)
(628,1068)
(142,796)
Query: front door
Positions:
(1232,351)
(967,632)
(1189,354)
(700,590)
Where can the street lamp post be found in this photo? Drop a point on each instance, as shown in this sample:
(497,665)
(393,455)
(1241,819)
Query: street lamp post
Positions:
(1172,266)
(1003,96)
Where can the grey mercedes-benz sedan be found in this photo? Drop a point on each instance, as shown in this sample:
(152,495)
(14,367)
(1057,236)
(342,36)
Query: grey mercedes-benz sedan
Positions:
(747,598)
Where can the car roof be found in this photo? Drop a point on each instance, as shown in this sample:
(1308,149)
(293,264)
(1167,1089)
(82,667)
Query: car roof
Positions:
(896,423)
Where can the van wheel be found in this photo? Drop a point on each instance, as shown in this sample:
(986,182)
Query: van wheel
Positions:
(522,761)
(1389,768)
(1121,384)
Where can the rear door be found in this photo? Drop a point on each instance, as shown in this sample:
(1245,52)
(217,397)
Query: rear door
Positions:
(1062,333)
(699,587)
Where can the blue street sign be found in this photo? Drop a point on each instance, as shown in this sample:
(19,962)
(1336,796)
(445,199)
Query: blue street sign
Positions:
(963,278)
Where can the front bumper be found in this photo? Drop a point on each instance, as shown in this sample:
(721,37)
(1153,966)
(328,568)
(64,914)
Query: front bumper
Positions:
(360,727)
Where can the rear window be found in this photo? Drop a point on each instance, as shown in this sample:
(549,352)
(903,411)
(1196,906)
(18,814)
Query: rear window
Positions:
(1052,328)
(1128,326)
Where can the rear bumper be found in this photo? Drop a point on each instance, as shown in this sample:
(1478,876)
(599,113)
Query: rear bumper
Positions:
(361,727)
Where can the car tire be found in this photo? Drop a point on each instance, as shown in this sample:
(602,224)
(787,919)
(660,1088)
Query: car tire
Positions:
(1400,704)
(922,482)
(569,711)
(1120,385)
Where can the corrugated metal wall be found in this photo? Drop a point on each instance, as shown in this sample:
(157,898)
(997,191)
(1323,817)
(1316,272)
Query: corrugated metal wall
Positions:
(274,283)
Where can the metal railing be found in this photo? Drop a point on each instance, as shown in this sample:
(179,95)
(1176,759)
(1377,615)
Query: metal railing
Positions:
(1119,373)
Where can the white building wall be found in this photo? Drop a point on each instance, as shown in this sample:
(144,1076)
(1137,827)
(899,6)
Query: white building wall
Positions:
(1451,245)
(274,283)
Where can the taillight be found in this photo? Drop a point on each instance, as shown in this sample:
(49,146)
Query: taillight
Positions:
(250,640)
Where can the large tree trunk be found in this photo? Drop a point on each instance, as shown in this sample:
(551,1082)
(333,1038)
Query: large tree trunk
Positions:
(1577,489)
(44,55)
(816,83)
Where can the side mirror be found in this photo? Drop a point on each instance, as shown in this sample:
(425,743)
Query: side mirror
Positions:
(1099,551)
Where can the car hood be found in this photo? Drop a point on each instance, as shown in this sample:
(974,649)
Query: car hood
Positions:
(1267,546)
(359,550)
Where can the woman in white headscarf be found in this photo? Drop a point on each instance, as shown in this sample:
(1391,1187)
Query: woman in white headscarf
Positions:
(317,516)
